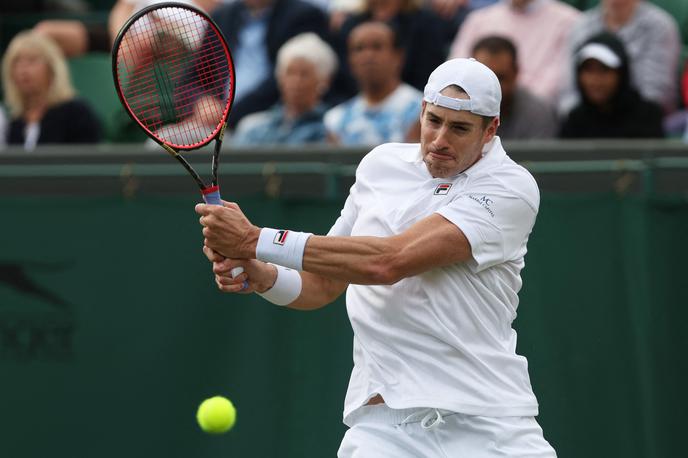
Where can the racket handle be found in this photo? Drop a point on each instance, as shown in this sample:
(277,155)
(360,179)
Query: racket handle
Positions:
(237,271)
(211,196)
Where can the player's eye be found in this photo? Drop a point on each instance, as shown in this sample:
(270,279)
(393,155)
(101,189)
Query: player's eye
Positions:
(460,128)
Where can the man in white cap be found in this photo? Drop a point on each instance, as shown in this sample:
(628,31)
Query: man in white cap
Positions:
(429,248)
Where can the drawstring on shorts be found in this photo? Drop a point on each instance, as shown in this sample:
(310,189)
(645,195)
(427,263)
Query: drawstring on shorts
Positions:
(432,420)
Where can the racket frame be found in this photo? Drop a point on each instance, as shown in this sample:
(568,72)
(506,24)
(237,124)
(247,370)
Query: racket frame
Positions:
(218,134)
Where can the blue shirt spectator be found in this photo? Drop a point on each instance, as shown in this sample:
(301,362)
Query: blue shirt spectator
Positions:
(356,122)
(422,34)
(273,127)
(251,62)
(385,110)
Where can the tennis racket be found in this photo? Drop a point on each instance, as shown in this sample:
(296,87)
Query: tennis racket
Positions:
(174,75)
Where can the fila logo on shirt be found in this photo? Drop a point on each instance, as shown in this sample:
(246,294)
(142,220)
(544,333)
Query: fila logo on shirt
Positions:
(280,237)
(442,189)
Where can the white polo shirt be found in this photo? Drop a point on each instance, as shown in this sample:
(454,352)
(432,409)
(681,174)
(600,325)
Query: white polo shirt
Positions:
(442,339)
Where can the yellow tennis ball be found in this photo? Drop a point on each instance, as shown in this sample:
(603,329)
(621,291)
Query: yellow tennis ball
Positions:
(216,415)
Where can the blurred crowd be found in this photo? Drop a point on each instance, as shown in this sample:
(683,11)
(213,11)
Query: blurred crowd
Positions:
(352,72)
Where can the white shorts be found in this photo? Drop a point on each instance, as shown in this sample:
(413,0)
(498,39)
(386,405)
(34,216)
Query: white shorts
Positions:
(377,431)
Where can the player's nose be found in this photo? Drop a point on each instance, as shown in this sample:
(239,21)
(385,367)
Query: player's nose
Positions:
(440,141)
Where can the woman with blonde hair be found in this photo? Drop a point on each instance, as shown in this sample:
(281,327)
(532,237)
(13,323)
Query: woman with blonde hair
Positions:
(40,97)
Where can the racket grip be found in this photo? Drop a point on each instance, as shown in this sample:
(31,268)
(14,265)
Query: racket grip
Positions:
(211,195)
(235,272)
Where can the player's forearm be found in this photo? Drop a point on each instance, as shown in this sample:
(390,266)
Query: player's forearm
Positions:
(358,260)
(430,243)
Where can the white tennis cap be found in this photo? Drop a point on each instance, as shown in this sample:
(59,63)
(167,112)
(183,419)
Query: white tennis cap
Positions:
(600,53)
(477,80)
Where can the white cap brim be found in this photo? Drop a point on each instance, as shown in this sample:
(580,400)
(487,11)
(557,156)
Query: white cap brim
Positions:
(599,52)
(477,80)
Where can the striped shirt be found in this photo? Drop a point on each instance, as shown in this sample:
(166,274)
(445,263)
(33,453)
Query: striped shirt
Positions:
(355,122)
(271,127)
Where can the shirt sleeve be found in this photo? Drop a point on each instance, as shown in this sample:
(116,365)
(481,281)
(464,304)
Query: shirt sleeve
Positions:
(345,223)
(496,224)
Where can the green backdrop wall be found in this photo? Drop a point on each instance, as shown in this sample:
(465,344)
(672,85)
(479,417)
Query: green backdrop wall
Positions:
(112,332)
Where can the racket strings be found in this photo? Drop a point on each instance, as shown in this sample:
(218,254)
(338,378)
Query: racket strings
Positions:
(175,74)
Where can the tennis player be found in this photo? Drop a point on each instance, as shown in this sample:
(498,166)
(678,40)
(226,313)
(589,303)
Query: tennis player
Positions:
(429,248)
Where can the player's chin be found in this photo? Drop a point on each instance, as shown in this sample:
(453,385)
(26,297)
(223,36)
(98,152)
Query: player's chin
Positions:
(441,169)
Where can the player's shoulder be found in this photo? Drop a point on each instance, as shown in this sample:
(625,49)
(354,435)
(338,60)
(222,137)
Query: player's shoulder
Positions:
(391,152)
(510,178)
(519,181)
(387,155)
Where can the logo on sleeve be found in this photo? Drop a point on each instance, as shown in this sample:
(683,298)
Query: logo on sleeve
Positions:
(442,189)
(484,202)
(280,237)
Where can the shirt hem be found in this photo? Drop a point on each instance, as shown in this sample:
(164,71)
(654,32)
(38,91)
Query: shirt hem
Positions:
(466,409)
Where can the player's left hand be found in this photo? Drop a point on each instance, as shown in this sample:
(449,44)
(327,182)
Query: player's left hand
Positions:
(257,276)
(227,231)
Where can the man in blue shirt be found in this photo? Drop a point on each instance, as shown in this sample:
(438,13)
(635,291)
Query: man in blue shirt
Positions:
(386,109)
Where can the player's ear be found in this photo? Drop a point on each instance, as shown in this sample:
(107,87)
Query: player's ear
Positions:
(491,129)
(422,109)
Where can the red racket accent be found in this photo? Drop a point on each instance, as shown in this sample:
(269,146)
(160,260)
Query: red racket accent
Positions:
(210,190)
(175,76)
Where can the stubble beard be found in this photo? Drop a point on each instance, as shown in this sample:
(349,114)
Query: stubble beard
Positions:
(435,170)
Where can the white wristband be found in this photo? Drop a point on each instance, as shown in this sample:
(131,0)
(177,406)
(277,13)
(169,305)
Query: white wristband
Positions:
(282,247)
(286,289)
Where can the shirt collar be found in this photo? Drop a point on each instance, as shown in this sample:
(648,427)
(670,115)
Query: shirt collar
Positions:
(493,153)
(412,155)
